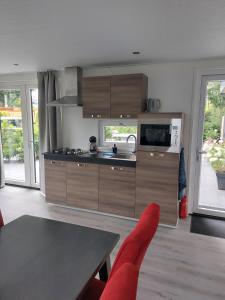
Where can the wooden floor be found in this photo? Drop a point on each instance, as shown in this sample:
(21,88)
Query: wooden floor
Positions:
(178,265)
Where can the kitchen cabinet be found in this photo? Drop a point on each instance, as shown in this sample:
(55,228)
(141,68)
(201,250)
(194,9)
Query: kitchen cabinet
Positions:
(82,185)
(96,97)
(157,181)
(118,96)
(55,181)
(117,190)
(128,95)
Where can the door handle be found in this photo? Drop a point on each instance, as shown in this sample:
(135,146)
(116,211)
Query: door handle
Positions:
(198,153)
(202,152)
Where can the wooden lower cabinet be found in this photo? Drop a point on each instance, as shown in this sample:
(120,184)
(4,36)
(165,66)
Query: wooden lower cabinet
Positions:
(82,185)
(117,190)
(157,181)
(55,181)
(123,191)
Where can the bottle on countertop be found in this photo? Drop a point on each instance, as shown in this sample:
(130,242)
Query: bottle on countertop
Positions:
(114,149)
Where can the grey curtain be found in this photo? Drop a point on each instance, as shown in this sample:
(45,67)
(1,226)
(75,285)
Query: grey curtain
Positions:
(47,116)
(2,174)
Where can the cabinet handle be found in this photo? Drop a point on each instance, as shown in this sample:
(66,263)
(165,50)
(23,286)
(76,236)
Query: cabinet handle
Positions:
(81,165)
(117,169)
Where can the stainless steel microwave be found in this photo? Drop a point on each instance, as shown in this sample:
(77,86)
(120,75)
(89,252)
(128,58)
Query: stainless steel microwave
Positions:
(163,135)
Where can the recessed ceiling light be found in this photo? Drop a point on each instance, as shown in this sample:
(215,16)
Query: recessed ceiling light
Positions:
(16,65)
(136,52)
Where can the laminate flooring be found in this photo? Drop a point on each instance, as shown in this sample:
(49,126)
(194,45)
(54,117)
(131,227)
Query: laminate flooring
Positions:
(178,264)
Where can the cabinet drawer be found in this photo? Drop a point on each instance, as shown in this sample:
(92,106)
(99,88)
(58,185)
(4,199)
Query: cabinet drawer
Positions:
(96,97)
(128,94)
(55,181)
(157,181)
(117,190)
(82,185)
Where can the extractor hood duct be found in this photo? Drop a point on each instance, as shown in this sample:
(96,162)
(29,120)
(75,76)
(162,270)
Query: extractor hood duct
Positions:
(70,88)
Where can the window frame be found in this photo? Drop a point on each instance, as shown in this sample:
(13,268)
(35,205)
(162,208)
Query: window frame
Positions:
(116,122)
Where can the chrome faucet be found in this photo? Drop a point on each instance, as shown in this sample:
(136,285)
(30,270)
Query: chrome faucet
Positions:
(135,144)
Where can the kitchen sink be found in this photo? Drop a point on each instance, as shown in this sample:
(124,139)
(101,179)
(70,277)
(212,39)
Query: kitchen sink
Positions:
(123,156)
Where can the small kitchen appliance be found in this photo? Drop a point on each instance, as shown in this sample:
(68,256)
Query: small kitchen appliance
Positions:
(160,132)
(92,145)
(153,105)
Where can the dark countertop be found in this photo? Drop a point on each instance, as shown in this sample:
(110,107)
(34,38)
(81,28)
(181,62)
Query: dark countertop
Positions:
(97,158)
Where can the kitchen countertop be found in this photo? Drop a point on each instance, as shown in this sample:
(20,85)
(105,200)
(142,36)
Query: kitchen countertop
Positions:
(97,158)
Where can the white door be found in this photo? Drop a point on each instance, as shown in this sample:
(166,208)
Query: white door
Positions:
(210,154)
(20,135)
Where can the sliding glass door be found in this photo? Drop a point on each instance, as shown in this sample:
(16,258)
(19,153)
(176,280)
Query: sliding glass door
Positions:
(20,135)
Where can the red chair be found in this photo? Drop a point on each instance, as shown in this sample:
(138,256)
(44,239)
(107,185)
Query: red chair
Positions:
(1,220)
(123,284)
(133,248)
(136,244)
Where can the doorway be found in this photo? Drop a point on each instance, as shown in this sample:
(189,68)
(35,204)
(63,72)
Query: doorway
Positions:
(210,155)
(20,134)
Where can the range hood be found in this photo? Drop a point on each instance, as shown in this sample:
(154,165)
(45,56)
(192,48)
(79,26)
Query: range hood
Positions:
(69,87)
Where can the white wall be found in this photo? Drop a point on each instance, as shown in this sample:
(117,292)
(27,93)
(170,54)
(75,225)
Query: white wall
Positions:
(76,130)
(19,77)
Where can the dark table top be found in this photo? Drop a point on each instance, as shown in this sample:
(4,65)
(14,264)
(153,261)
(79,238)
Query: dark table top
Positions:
(42,259)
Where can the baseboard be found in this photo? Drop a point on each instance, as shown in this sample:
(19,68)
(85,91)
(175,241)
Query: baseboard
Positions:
(107,214)
(23,186)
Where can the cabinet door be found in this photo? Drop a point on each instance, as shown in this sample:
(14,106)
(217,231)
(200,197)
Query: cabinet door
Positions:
(55,181)
(117,190)
(128,95)
(82,185)
(157,181)
(96,97)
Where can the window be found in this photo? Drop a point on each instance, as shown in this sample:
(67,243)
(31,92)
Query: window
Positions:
(112,131)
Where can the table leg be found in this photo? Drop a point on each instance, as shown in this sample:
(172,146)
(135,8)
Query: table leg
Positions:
(105,270)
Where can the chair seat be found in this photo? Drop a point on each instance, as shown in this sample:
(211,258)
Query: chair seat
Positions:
(94,290)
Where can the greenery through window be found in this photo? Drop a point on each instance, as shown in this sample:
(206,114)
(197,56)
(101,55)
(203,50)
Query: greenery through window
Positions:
(214,110)
(119,133)
(11,125)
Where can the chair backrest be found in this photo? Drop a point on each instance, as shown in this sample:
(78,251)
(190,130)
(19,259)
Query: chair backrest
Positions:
(135,245)
(123,284)
(1,219)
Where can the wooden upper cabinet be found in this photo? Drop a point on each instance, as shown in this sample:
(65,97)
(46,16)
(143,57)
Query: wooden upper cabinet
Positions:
(157,181)
(96,97)
(82,185)
(128,95)
(117,190)
(119,96)
(55,181)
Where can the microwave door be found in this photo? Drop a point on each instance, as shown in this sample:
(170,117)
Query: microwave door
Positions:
(158,135)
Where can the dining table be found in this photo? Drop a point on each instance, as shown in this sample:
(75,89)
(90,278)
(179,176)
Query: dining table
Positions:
(43,259)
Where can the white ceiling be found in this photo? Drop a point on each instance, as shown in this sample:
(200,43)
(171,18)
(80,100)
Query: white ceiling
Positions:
(41,34)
